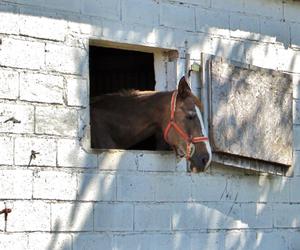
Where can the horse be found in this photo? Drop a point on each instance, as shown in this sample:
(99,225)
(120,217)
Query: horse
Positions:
(120,120)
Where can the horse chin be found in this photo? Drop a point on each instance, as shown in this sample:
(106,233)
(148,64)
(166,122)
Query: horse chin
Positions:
(197,169)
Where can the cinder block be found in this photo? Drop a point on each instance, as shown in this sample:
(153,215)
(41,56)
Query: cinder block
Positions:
(29,216)
(243,26)
(177,16)
(152,217)
(16,241)
(257,215)
(146,241)
(41,88)
(263,189)
(231,5)
(16,184)
(71,154)
(114,30)
(97,187)
(77,92)
(73,6)
(189,216)
(167,37)
(56,185)
(294,240)
(158,162)
(225,215)
(279,189)
(295,194)
(291,11)
(173,188)
(117,160)
(280,31)
(286,215)
(34,23)
(206,188)
(7,151)
(46,149)
(113,217)
(108,9)
(296,86)
(212,21)
(89,26)
(181,165)
(136,187)
(66,59)
(71,217)
(9,19)
(70,6)
(203,3)
(272,8)
(240,239)
(9,88)
(53,120)
(16,118)
(296,163)
(57,241)
(295,36)
(22,54)
(276,240)
(296,112)
(211,240)
(296,137)
(141,12)
(231,49)
(92,241)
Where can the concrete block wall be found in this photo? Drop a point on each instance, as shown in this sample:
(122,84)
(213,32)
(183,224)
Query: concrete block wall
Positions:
(64,197)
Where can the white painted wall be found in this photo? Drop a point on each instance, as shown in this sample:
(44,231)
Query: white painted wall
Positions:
(71,199)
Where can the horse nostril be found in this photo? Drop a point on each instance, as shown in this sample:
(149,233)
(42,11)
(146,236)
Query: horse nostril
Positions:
(205,159)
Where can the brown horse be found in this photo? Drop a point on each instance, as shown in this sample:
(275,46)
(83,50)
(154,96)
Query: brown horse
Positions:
(121,120)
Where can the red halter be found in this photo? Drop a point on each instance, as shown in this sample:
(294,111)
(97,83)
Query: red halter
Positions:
(172,123)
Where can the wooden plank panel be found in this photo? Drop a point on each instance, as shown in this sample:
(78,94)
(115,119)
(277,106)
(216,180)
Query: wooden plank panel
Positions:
(251,112)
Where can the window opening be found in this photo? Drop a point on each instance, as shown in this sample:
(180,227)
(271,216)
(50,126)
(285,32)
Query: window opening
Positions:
(113,70)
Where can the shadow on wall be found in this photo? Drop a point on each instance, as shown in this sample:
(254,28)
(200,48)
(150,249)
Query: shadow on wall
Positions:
(127,207)
(189,210)
(121,205)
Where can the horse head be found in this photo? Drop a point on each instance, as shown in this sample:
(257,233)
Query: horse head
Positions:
(185,130)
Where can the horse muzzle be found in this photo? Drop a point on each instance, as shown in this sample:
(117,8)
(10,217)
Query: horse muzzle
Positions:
(199,162)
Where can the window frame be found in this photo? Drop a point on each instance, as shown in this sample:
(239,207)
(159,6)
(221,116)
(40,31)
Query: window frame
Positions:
(165,69)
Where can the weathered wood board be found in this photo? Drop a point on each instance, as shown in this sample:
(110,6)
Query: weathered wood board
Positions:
(251,112)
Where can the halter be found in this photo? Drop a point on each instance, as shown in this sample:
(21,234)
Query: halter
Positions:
(189,140)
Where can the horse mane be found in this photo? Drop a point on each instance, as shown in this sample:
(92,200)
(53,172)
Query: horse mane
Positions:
(128,92)
(139,93)
(123,93)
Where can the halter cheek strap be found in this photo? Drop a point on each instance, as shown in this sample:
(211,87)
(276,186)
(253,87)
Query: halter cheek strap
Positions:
(189,140)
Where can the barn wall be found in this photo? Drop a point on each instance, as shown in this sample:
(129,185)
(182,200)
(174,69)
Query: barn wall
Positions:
(67,198)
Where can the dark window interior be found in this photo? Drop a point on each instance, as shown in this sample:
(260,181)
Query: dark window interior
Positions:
(112,70)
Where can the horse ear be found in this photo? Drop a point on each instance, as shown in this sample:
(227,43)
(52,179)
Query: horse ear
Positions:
(184,89)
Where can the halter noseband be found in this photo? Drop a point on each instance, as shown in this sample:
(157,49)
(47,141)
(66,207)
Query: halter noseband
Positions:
(189,140)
